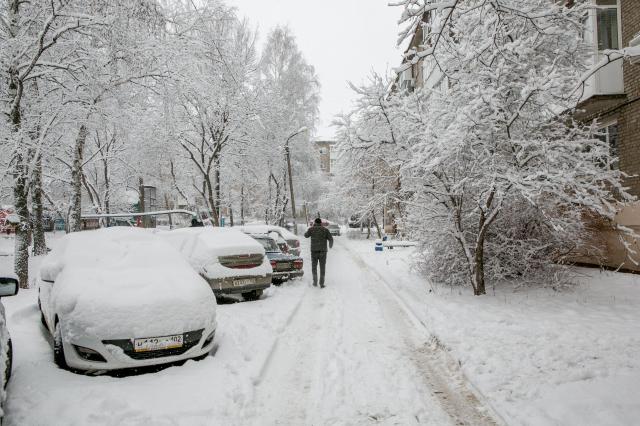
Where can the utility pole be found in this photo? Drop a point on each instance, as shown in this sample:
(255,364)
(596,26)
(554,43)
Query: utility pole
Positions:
(288,158)
(141,202)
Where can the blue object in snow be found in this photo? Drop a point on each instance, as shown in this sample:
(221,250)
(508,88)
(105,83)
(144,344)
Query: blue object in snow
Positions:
(379,246)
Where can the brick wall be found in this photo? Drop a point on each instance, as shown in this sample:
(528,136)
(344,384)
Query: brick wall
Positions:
(629,118)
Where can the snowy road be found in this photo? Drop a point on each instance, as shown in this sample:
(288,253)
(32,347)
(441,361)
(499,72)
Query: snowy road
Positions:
(350,354)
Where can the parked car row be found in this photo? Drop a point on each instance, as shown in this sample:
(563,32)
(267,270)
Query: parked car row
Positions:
(120,298)
(123,297)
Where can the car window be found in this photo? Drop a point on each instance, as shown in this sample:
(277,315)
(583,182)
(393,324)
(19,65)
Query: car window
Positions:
(268,244)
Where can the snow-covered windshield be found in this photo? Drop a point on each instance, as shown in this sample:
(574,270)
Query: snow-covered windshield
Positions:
(268,244)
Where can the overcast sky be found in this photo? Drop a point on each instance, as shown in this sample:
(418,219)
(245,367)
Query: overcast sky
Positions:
(343,39)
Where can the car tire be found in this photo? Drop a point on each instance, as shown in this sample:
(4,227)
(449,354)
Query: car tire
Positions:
(277,283)
(252,295)
(58,348)
(9,364)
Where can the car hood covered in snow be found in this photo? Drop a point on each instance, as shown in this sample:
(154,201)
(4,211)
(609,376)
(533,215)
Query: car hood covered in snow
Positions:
(123,282)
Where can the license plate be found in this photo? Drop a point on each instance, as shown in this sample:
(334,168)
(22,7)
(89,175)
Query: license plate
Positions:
(158,343)
(242,283)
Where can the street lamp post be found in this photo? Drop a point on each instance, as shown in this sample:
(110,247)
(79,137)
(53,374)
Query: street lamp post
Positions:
(288,158)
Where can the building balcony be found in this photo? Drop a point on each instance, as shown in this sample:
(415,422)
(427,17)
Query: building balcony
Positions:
(608,80)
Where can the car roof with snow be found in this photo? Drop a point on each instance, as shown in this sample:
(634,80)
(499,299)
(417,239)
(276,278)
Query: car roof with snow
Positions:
(116,248)
(266,229)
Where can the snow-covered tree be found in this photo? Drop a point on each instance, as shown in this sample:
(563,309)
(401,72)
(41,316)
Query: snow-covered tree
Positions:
(289,90)
(369,138)
(35,41)
(498,179)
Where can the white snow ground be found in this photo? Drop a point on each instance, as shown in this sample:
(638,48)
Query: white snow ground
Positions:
(359,352)
(537,356)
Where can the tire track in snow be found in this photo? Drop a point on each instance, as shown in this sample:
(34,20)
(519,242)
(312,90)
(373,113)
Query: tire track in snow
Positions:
(457,395)
(282,394)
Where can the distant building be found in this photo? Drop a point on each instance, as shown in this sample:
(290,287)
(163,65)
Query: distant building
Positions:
(328,155)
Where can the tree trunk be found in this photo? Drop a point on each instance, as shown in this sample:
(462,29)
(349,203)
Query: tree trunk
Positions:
(211,201)
(141,206)
(375,223)
(39,241)
(168,206)
(217,189)
(23,229)
(479,285)
(75,219)
(242,204)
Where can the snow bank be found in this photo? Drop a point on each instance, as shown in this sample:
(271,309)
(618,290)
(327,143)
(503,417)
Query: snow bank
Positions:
(540,357)
(120,282)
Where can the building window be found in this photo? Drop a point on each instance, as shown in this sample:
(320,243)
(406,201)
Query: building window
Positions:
(609,134)
(323,151)
(607,17)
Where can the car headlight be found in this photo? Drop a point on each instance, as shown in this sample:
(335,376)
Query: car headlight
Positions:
(209,339)
(89,354)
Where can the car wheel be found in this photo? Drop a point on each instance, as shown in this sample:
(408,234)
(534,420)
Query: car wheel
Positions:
(58,348)
(252,295)
(9,364)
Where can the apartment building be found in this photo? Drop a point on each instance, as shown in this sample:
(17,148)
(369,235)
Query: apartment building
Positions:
(328,155)
(611,97)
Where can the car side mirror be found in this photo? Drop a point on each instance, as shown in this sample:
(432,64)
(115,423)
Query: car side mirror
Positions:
(8,286)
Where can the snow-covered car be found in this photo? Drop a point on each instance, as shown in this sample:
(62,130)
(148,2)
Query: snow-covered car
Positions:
(355,221)
(231,261)
(119,298)
(285,266)
(8,287)
(334,228)
(292,240)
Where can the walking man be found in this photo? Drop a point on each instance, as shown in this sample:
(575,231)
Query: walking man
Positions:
(319,236)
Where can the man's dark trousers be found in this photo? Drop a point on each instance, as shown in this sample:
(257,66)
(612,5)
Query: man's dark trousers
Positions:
(318,257)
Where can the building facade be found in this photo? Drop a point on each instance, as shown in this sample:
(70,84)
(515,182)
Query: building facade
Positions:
(327,154)
(612,95)
(612,98)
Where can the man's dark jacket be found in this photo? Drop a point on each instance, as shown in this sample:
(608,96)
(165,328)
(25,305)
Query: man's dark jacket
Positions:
(319,236)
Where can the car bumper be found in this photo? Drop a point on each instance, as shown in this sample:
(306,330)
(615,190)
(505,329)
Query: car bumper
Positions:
(237,285)
(118,358)
(287,275)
